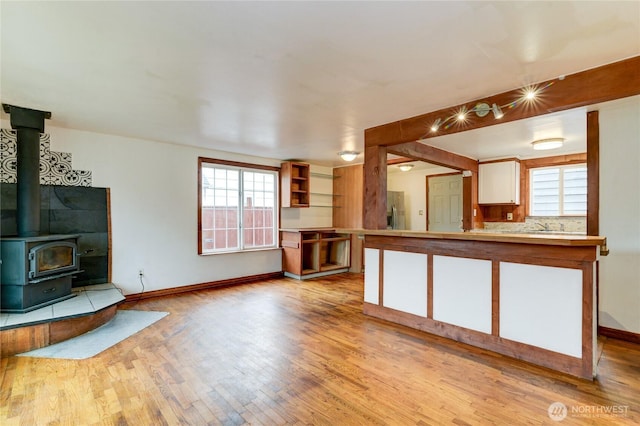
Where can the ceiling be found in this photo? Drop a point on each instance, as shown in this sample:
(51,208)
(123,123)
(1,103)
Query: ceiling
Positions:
(300,80)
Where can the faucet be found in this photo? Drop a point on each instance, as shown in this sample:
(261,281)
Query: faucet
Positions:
(545,226)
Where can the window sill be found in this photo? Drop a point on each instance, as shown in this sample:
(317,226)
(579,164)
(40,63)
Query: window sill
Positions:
(239,251)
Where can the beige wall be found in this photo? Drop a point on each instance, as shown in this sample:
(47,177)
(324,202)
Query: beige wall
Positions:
(620,214)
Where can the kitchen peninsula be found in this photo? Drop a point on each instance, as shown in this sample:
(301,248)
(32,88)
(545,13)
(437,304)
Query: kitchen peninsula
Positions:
(528,296)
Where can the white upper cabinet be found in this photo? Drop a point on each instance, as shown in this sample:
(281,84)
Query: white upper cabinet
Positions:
(499,182)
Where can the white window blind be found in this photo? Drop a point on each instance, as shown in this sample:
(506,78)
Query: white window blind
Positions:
(558,191)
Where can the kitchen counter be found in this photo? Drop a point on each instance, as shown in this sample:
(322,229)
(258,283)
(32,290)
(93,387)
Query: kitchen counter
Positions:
(527,296)
(546,238)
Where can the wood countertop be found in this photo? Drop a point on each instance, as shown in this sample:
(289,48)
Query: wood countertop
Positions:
(535,238)
(308,229)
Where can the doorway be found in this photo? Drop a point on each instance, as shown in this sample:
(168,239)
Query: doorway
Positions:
(444,203)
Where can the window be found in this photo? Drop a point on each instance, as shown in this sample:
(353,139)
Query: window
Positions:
(238,206)
(559,190)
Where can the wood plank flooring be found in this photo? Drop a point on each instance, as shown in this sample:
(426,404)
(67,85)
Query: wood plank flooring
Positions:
(290,352)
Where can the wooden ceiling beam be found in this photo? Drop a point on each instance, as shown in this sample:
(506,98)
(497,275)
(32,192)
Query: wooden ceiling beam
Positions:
(430,154)
(608,82)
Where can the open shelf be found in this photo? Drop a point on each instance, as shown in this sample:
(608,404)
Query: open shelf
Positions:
(311,253)
(294,181)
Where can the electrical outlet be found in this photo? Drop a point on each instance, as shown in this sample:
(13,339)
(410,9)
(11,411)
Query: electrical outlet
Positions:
(141,272)
(509,216)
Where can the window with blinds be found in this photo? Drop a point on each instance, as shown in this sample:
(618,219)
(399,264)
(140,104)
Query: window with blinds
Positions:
(558,191)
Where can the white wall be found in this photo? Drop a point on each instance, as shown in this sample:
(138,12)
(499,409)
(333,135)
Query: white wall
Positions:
(154,210)
(413,184)
(620,214)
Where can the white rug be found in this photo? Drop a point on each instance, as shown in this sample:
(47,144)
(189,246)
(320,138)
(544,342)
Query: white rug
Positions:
(124,324)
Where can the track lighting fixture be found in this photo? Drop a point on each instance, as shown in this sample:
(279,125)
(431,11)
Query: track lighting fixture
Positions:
(482,109)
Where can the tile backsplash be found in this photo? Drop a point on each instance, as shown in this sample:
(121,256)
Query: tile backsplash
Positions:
(573,224)
(55,167)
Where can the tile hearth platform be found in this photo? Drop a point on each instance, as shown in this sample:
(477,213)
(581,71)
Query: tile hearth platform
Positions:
(87,300)
(91,307)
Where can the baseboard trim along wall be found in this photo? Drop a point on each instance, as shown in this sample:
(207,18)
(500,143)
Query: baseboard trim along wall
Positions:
(202,286)
(627,336)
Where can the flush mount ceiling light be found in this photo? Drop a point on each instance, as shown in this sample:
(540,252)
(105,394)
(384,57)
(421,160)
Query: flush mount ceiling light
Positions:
(405,167)
(550,143)
(348,155)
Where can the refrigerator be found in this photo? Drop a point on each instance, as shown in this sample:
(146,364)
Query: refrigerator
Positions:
(395,210)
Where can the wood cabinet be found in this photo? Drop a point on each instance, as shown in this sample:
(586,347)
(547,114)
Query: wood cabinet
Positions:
(499,182)
(294,184)
(309,253)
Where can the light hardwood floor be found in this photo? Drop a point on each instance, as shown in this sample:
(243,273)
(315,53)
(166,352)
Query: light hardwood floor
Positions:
(290,352)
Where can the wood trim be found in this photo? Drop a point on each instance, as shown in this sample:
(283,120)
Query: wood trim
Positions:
(500,160)
(426,206)
(557,160)
(375,188)
(109,238)
(495,298)
(593,173)
(237,164)
(430,286)
(608,82)
(548,255)
(613,333)
(199,235)
(440,157)
(467,203)
(202,286)
(396,161)
(587,319)
(380,277)
(538,356)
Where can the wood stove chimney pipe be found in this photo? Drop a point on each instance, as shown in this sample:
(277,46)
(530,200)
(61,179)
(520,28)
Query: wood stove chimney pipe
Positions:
(28,123)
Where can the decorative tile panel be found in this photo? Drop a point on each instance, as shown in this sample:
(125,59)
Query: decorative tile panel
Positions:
(55,167)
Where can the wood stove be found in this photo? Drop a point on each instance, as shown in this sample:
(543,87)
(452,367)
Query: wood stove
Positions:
(37,271)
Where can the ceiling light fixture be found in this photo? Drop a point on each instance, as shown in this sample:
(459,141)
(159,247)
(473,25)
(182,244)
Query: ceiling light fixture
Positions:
(436,125)
(550,143)
(348,155)
(497,112)
(482,109)
(530,94)
(405,167)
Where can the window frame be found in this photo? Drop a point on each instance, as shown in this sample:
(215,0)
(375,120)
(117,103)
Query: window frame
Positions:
(241,167)
(561,168)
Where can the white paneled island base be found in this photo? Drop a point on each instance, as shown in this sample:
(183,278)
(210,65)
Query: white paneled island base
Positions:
(529,297)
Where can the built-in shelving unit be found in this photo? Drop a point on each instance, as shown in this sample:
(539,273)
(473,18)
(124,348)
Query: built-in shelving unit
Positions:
(294,181)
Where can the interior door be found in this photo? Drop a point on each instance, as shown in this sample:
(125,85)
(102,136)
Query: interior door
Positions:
(445,203)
